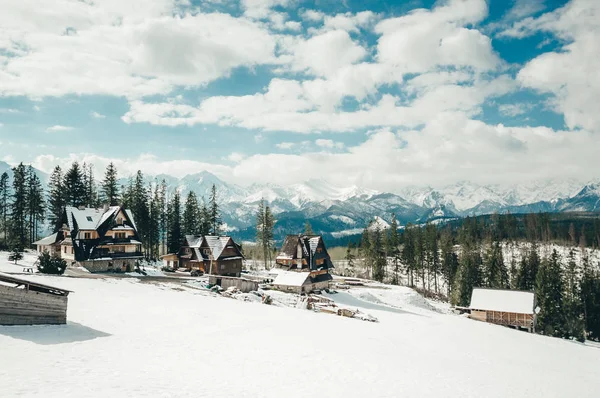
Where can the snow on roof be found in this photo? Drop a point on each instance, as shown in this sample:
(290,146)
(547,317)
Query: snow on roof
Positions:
(313,243)
(194,240)
(290,278)
(216,244)
(89,218)
(49,240)
(502,300)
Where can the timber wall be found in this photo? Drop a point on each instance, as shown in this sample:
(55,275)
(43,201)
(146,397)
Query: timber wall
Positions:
(23,307)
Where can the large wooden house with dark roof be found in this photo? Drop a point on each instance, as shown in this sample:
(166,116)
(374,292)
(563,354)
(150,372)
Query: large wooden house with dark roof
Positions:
(216,255)
(307,255)
(99,240)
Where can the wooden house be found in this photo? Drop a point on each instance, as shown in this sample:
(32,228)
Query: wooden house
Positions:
(216,255)
(102,239)
(23,302)
(304,264)
(504,307)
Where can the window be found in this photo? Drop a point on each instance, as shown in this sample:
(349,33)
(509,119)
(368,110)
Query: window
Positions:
(320,261)
(119,249)
(89,219)
(65,249)
(87,235)
(206,251)
(72,250)
(319,249)
(120,235)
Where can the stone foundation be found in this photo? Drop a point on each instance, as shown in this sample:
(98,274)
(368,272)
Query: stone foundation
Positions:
(124,265)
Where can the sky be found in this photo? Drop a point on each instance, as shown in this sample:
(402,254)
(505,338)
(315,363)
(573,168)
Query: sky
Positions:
(380,94)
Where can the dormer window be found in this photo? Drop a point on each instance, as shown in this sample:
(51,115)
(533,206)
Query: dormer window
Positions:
(87,235)
(89,218)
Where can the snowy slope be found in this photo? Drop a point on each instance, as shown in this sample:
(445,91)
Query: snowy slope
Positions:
(131,339)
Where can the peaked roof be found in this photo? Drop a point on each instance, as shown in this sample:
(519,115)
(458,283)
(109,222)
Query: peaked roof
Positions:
(290,245)
(48,240)
(216,244)
(194,240)
(502,300)
(291,278)
(90,218)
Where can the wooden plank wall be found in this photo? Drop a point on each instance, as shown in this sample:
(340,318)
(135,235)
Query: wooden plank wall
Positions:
(22,307)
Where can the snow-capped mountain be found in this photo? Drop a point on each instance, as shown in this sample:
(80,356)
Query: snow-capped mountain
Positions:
(341,211)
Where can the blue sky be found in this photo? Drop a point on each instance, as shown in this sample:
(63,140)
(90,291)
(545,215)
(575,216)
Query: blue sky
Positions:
(382,94)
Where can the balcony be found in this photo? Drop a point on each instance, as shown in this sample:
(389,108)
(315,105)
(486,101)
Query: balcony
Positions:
(114,255)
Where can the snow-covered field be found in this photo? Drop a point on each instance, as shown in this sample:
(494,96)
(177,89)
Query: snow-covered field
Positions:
(130,338)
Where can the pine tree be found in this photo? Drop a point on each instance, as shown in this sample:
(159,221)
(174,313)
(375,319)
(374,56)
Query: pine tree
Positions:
(409,253)
(590,298)
(366,249)
(378,255)
(74,186)
(204,219)
(161,203)
(432,255)
(573,307)
(526,276)
(264,231)
(496,274)
(56,196)
(449,260)
(174,237)
(139,206)
(35,203)
(4,207)
(18,207)
(109,186)
(549,294)
(91,193)
(268,233)
(215,215)
(191,215)
(350,255)
(513,274)
(394,249)
(308,228)
(154,222)
(467,277)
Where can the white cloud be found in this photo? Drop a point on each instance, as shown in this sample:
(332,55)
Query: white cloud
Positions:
(515,109)
(285,145)
(9,110)
(128,49)
(324,54)
(261,9)
(312,15)
(567,73)
(59,127)
(328,144)
(236,157)
(97,115)
(348,22)
(425,40)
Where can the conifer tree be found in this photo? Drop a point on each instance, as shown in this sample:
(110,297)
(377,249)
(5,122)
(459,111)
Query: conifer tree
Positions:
(35,203)
(204,219)
(191,215)
(91,193)
(268,233)
(308,228)
(590,298)
(409,253)
(109,186)
(215,215)
(526,276)
(74,186)
(154,222)
(56,196)
(139,206)
(174,237)
(394,249)
(350,255)
(4,207)
(467,277)
(378,255)
(366,249)
(572,307)
(264,231)
(449,260)
(432,255)
(496,274)
(18,207)
(549,294)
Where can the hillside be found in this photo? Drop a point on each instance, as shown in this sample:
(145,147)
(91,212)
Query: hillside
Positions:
(130,338)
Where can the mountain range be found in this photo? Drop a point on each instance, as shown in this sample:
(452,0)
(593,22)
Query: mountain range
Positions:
(343,211)
(339,212)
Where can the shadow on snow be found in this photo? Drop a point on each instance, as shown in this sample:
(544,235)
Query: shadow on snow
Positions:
(52,334)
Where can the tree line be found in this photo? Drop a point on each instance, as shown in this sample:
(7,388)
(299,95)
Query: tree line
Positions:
(161,219)
(449,261)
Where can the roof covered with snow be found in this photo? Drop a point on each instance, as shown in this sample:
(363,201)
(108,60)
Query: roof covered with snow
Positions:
(502,300)
(90,218)
(49,240)
(290,278)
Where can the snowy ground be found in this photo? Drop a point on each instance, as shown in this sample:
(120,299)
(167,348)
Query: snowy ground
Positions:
(128,337)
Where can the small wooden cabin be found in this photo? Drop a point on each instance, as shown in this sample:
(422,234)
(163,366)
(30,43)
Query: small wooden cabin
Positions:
(304,252)
(301,281)
(217,255)
(504,307)
(23,302)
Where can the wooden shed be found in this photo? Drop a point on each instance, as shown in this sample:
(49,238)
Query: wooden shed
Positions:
(301,281)
(243,284)
(504,307)
(23,302)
